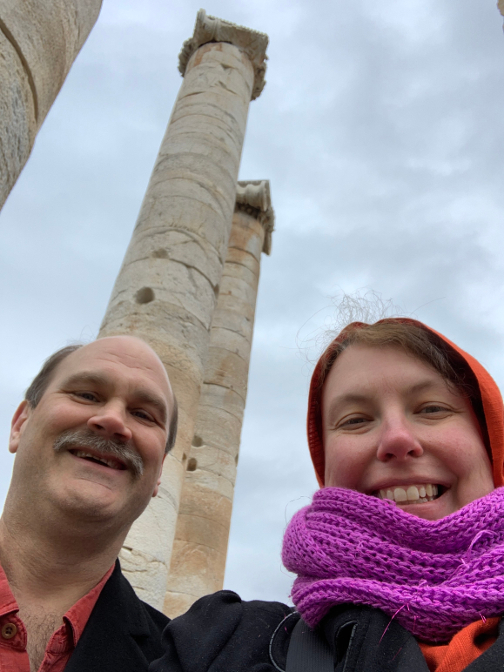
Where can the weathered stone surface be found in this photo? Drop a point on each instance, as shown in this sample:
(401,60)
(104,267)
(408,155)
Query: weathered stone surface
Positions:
(232,321)
(228,370)
(242,246)
(168,285)
(17,117)
(39,40)
(218,427)
(212,29)
(198,558)
(148,574)
(233,341)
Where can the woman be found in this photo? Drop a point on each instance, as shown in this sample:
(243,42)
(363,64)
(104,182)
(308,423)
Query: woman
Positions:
(400,556)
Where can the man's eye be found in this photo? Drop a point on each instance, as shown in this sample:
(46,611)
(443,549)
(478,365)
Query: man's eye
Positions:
(87,396)
(143,415)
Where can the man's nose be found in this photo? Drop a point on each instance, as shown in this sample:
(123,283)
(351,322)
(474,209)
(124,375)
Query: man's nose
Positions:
(110,422)
(398,441)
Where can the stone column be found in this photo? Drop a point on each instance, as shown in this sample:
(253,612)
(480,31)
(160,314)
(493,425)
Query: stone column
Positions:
(167,287)
(201,539)
(39,40)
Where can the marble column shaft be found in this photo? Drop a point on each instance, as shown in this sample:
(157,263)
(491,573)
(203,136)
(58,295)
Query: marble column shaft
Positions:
(39,40)
(167,287)
(201,539)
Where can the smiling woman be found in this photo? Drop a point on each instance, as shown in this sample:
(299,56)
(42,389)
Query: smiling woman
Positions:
(399,558)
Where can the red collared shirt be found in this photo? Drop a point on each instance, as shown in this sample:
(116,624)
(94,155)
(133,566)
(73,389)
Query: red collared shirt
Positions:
(13,654)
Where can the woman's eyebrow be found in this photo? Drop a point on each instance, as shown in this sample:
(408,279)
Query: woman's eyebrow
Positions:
(343,400)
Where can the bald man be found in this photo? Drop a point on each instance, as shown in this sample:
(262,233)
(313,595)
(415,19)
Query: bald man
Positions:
(89,440)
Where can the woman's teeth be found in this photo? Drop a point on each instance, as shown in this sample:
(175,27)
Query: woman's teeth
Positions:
(411,494)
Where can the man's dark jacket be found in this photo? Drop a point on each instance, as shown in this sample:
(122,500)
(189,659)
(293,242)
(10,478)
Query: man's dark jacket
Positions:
(123,634)
(220,633)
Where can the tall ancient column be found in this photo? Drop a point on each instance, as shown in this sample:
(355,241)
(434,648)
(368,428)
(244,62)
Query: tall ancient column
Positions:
(39,40)
(167,287)
(201,539)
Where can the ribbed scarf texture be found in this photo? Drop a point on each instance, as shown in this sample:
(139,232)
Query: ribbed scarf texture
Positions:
(433,577)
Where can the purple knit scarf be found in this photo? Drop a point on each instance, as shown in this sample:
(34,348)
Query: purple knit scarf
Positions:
(434,577)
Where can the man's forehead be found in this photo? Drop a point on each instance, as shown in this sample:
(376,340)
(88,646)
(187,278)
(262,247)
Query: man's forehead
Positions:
(130,353)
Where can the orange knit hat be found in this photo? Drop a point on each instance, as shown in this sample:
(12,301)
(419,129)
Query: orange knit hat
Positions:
(490,397)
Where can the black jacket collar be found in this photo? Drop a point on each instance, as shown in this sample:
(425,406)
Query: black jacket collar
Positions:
(123,634)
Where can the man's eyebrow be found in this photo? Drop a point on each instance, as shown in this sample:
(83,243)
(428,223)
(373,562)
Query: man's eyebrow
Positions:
(86,377)
(143,396)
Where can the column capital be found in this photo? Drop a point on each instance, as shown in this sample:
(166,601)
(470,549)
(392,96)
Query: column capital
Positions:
(254,198)
(211,29)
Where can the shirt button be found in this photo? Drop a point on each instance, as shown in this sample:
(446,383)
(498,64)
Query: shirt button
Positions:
(9,630)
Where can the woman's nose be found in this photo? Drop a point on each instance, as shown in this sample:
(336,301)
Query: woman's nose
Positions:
(110,423)
(397,441)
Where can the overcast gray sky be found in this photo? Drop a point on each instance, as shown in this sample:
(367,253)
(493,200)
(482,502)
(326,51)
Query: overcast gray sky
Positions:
(381,129)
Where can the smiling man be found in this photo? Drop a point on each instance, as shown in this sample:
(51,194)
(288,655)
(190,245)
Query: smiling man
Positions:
(89,440)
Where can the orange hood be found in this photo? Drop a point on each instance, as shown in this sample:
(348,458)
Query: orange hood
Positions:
(490,396)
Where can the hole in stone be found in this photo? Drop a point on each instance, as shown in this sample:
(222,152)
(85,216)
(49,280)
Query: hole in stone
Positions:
(145,295)
(216,291)
(192,464)
(160,254)
(236,459)
(184,457)
(197,441)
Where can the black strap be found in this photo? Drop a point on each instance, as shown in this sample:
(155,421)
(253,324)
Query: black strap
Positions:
(308,651)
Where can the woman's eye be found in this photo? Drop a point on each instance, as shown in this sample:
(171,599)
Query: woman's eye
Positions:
(431,409)
(352,422)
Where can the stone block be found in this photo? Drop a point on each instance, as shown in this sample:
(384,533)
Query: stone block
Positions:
(223,398)
(231,341)
(235,270)
(233,320)
(239,290)
(228,370)
(147,575)
(218,427)
(247,234)
(243,257)
(212,459)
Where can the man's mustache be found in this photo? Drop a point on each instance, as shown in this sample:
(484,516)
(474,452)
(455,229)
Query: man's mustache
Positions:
(74,439)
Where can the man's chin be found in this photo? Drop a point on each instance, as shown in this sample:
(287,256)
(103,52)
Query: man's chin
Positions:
(88,500)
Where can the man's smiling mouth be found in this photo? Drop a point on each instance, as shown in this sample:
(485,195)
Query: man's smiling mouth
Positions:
(411,494)
(107,461)
(85,444)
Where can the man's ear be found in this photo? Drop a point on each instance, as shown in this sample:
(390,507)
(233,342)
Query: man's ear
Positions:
(156,489)
(18,420)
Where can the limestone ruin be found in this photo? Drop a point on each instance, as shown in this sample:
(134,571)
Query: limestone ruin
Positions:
(188,286)
(39,41)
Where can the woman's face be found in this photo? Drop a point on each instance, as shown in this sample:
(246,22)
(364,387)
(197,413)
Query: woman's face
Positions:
(393,428)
